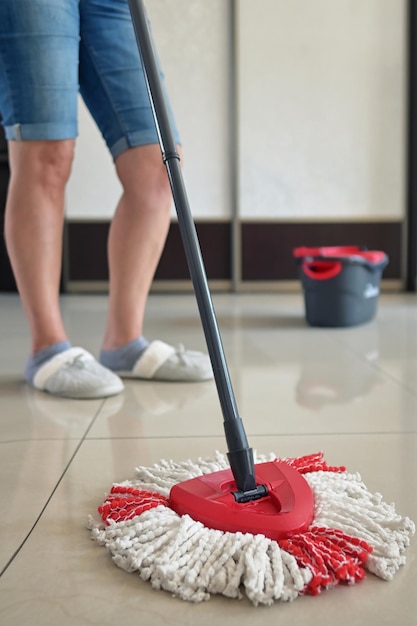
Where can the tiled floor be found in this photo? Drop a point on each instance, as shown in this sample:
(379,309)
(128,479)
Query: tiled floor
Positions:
(349,392)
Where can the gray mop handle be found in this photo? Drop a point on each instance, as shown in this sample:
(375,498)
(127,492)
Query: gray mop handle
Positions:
(235,433)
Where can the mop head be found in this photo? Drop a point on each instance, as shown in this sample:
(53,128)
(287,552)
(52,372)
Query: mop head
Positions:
(353,531)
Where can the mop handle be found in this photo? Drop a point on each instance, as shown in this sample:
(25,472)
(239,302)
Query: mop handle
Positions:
(240,455)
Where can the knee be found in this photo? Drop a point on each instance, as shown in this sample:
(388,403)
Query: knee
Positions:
(45,163)
(154,191)
(159,189)
(144,178)
(55,163)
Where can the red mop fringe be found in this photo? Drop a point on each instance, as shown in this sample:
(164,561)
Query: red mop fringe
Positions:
(313,463)
(125,503)
(331,555)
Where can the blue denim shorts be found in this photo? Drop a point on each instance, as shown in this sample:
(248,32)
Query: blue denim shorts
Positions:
(50,50)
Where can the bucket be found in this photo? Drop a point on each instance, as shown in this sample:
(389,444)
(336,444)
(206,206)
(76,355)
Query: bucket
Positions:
(341,284)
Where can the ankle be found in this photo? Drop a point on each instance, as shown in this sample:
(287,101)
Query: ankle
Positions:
(40,357)
(44,340)
(124,357)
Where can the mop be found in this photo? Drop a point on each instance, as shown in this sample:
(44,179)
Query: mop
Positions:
(246,523)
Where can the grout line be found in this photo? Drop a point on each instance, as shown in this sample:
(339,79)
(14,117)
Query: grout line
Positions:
(11,441)
(48,500)
(260,436)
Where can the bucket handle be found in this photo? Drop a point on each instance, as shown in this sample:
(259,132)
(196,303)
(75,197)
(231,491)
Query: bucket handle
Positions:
(321,269)
(348,260)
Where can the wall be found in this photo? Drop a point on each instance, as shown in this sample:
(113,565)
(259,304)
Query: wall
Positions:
(320,121)
(322,115)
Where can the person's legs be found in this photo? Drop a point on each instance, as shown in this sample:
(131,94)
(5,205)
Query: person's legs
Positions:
(137,236)
(39,44)
(136,240)
(33,231)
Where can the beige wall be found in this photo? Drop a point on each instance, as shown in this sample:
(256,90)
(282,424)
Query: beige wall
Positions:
(321,110)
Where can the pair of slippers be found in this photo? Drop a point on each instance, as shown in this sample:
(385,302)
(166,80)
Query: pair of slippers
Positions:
(75,373)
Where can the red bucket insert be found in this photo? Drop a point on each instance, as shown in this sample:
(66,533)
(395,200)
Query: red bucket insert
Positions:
(322,270)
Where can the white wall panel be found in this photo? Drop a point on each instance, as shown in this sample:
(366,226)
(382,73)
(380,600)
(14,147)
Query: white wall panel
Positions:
(322,91)
(191,36)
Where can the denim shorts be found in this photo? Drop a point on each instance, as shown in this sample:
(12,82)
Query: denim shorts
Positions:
(51,50)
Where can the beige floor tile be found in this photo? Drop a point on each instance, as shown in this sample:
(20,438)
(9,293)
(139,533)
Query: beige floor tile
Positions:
(349,392)
(61,577)
(30,471)
(338,394)
(30,414)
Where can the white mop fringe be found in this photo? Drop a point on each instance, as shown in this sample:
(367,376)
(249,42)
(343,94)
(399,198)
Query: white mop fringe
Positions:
(190,561)
(343,501)
(193,562)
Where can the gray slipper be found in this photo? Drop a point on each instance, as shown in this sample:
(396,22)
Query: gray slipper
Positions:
(74,373)
(163,362)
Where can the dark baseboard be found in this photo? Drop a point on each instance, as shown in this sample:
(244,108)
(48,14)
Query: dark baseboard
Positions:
(87,259)
(266,248)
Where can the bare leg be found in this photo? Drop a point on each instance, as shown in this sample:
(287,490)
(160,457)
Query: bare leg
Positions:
(136,240)
(33,230)
(137,236)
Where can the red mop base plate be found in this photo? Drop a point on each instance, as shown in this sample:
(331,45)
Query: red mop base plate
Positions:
(286,510)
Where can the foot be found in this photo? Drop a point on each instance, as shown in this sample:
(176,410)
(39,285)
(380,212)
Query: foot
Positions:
(71,373)
(159,361)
